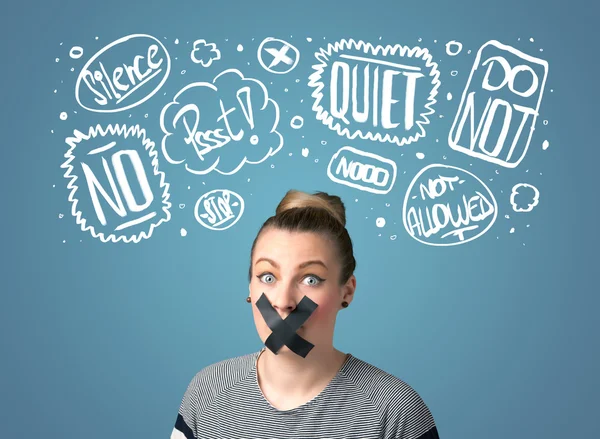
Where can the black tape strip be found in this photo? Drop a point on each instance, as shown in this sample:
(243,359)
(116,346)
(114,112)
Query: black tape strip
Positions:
(284,331)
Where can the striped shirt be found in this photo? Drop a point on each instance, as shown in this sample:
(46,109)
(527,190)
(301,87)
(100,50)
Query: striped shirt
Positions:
(224,401)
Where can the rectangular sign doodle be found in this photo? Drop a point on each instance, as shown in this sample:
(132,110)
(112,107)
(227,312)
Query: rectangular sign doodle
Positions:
(499,106)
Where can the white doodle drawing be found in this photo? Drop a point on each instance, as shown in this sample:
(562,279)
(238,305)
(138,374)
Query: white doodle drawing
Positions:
(106,82)
(531,200)
(445,205)
(76,52)
(305,152)
(219,209)
(93,163)
(277,53)
(221,125)
(202,50)
(483,96)
(453,48)
(389,75)
(362,170)
(297,122)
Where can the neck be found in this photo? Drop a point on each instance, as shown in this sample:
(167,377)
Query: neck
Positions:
(286,371)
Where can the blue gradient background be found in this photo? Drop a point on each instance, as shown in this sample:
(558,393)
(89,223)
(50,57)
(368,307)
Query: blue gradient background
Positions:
(499,336)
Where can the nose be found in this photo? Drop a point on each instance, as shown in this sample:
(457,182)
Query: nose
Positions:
(284,300)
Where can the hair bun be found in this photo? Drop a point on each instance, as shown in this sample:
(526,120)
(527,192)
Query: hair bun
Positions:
(318,213)
(298,199)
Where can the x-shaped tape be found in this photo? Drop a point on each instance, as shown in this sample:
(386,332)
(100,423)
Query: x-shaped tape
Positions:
(284,331)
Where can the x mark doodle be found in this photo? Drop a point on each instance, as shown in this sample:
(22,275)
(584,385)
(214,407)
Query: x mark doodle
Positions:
(284,330)
(279,55)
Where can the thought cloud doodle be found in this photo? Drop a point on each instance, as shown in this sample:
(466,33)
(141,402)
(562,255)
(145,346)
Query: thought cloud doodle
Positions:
(362,170)
(277,56)
(204,53)
(504,84)
(382,93)
(524,194)
(123,195)
(445,205)
(219,209)
(205,120)
(122,75)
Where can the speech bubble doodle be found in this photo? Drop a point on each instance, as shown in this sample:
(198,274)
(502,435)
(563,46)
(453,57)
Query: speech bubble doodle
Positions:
(382,93)
(219,209)
(532,200)
(221,125)
(507,82)
(362,170)
(445,205)
(109,160)
(199,53)
(123,75)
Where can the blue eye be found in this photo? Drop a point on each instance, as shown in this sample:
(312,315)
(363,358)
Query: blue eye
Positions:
(265,274)
(318,279)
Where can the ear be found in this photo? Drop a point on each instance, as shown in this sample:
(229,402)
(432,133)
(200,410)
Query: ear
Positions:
(349,289)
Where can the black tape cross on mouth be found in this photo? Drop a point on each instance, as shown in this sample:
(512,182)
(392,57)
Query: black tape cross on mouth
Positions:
(284,331)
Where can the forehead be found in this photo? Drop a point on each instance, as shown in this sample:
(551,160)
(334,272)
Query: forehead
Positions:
(292,248)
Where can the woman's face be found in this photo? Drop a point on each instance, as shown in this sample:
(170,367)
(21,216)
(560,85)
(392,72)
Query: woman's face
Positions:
(287,266)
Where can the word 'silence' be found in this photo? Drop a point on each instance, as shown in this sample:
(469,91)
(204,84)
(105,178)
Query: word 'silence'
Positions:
(109,86)
(106,86)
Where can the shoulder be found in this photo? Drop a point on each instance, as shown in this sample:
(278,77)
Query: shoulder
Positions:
(377,383)
(398,403)
(221,375)
(205,386)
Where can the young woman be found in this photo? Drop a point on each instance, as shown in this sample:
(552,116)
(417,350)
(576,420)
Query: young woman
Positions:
(299,386)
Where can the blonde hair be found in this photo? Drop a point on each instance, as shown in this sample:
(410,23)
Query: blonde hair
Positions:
(317,213)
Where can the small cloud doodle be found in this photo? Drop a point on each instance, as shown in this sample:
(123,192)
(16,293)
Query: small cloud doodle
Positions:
(205,53)
(524,197)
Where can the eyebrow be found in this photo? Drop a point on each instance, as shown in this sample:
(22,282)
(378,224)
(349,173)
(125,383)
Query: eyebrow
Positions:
(302,265)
